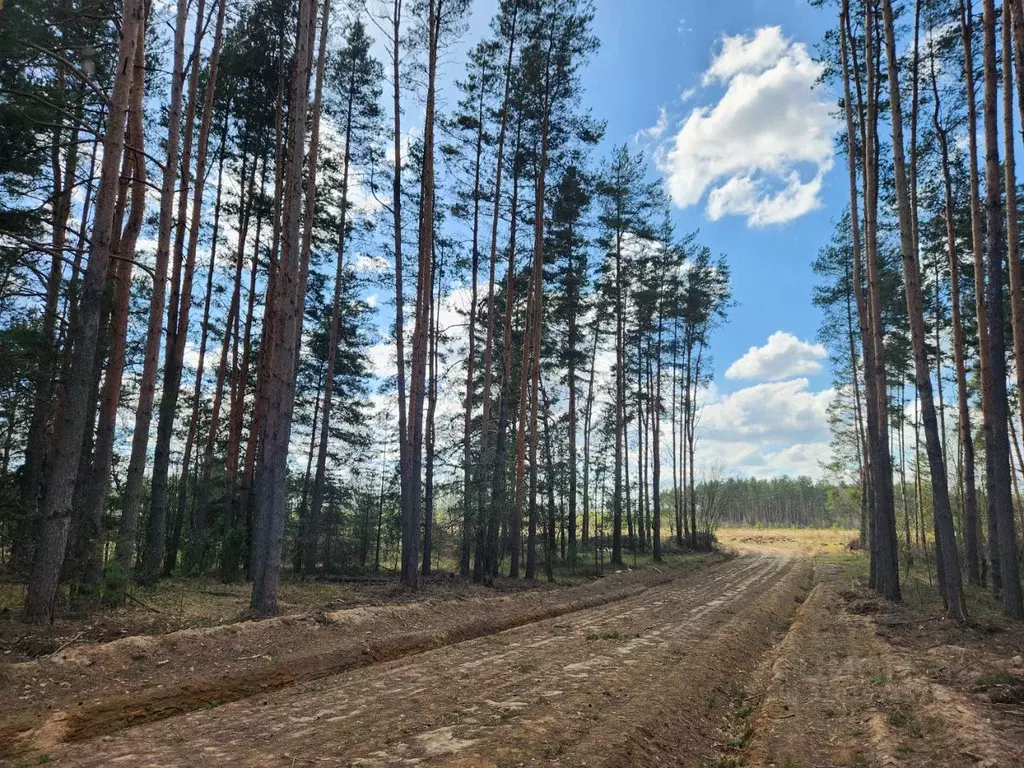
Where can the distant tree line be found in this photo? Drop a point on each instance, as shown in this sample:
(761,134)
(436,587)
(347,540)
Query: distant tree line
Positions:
(784,502)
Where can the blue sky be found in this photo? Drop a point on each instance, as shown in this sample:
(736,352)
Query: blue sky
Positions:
(648,59)
(654,56)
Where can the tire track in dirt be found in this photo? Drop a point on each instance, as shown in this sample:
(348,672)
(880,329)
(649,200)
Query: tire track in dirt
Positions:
(88,702)
(526,696)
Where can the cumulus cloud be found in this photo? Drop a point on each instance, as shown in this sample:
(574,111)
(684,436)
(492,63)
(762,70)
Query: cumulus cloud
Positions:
(742,54)
(655,131)
(786,412)
(371,265)
(766,430)
(762,151)
(783,356)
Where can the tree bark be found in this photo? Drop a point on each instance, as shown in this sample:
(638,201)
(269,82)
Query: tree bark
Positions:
(178,334)
(125,549)
(271,479)
(944,531)
(90,549)
(197,538)
(486,458)
(467,426)
(41,591)
(1002,500)
(885,556)
(312,521)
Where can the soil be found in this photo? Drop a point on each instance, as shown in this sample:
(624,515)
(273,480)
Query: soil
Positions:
(93,689)
(539,694)
(861,682)
(776,657)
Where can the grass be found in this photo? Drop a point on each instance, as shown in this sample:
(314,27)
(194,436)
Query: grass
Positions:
(994,680)
(182,602)
(803,541)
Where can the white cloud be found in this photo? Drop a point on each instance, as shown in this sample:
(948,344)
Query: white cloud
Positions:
(382,359)
(371,265)
(655,131)
(762,151)
(783,356)
(742,54)
(688,94)
(766,430)
(781,411)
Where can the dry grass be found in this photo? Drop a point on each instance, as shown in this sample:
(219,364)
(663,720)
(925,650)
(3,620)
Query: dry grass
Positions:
(196,602)
(811,542)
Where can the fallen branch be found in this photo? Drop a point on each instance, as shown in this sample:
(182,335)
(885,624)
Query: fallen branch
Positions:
(69,642)
(147,606)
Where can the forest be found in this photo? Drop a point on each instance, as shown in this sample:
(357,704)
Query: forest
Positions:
(204,204)
(360,398)
(921,289)
(201,203)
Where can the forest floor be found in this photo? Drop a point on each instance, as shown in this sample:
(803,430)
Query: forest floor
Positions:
(859,681)
(778,656)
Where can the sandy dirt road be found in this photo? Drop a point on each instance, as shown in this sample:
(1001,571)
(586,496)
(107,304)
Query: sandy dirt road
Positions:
(587,688)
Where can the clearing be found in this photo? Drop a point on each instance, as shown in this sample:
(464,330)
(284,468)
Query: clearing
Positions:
(777,656)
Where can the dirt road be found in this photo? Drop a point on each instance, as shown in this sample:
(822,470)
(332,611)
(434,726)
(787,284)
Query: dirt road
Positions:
(637,681)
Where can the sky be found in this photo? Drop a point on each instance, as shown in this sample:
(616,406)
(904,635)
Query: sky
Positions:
(723,97)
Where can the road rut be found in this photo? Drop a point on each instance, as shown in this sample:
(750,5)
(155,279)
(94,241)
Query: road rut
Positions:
(535,695)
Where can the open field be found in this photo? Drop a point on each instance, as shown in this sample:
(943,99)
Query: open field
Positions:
(802,542)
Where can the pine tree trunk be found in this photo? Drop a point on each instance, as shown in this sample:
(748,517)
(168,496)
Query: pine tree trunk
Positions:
(43,375)
(275,433)
(486,456)
(239,373)
(431,436)
(572,427)
(690,441)
(516,520)
(502,512)
(1002,501)
(41,591)
(977,245)
(620,406)
(154,550)
(588,410)
(538,324)
(309,211)
(676,444)
(396,207)
(467,427)
(1016,22)
(656,410)
(641,461)
(126,541)
(944,531)
(885,557)
(970,524)
(312,532)
(178,319)
(90,548)
(197,539)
